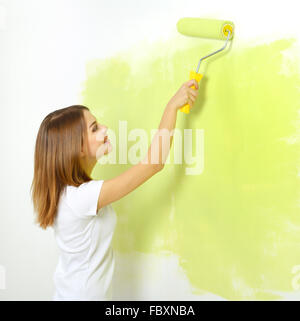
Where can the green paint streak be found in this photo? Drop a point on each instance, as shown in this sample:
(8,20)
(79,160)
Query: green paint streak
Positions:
(236,226)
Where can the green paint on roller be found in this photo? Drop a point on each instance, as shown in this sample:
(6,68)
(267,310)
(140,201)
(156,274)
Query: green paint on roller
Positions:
(236,226)
(204,28)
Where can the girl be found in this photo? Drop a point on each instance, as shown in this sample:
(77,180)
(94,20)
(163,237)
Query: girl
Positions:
(68,144)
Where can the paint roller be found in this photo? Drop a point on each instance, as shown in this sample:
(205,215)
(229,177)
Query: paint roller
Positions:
(204,28)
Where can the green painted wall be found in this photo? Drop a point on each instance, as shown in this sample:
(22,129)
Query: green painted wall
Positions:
(235,227)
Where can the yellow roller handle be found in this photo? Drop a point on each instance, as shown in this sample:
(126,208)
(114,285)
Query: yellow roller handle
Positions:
(198,77)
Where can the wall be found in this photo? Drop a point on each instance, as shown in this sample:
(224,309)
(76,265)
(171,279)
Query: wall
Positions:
(228,228)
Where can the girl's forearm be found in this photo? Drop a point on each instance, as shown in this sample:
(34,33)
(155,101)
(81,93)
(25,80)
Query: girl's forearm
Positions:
(162,141)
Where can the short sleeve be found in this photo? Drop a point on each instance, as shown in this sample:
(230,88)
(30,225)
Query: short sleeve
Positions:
(83,200)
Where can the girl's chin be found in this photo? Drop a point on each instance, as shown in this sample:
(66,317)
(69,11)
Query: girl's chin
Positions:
(108,148)
(104,149)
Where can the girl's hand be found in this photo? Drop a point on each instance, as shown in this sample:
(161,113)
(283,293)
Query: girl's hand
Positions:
(185,95)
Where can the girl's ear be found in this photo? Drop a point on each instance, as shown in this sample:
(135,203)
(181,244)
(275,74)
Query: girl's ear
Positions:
(82,151)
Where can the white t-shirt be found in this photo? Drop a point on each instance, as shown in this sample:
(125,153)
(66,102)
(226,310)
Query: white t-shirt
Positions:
(86,263)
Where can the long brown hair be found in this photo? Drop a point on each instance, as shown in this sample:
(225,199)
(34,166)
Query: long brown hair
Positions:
(59,141)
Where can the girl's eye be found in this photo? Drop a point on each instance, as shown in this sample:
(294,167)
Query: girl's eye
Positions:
(95,128)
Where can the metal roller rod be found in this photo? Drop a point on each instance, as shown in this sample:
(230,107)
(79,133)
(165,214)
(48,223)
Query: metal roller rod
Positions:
(213,53)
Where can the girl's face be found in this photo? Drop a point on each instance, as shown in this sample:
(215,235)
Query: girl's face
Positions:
(98,142)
